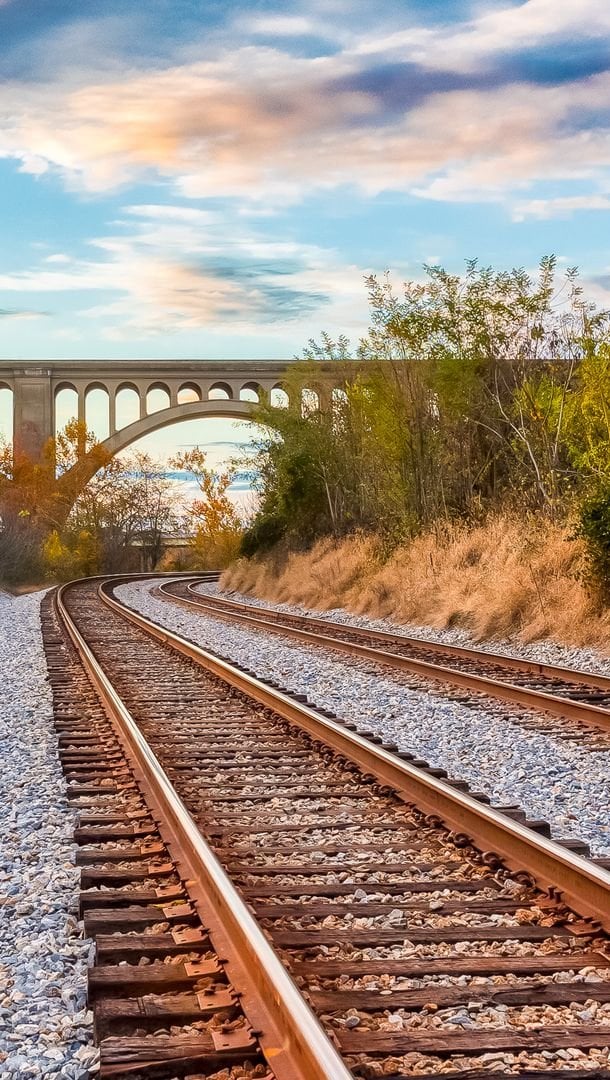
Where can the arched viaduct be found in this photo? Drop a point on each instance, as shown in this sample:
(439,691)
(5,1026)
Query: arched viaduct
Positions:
(213,388)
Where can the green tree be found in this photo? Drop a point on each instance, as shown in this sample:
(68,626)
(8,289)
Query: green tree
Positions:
(463,401)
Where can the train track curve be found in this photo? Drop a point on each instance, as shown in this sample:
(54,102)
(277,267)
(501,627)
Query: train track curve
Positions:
(274,896)
(574,695)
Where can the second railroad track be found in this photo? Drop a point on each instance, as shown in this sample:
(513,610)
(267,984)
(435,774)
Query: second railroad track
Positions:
(578,696)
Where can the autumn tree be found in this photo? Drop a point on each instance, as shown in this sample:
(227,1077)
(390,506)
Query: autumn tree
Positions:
(127,507)
(36,497)
(57,523)
(212,521)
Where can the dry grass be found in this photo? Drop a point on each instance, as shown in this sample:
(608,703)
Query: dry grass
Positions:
(324,577)
(504,579)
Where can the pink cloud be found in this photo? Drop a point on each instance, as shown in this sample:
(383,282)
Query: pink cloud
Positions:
(262,125)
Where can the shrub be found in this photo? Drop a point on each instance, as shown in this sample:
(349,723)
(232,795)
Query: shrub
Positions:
(594,528)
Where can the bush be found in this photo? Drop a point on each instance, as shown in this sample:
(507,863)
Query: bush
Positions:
(594,528)
(20,542)
(262,535)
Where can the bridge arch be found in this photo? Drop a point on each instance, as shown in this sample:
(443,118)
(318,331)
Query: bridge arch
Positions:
(64,405)
(310,400)
(126,404)
(193,410)
(251,387)
(158,386)
(279,396)
(97,398)
(66,385)
(189,388)
(88,465)
(158,397)
(224,387)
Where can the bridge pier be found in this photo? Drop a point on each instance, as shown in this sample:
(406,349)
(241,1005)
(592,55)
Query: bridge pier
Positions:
(33,412)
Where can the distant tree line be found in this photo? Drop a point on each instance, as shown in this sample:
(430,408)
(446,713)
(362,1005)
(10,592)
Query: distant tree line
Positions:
(477,392)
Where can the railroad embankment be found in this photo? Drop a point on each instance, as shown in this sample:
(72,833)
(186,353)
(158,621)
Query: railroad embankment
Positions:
(505,579)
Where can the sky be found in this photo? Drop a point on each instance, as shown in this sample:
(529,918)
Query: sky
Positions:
(214,179)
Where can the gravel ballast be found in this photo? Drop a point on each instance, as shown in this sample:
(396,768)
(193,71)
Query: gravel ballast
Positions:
(542,652)
(550,778)
(45,1027)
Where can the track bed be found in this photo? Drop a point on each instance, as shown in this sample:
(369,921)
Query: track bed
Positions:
(419,953)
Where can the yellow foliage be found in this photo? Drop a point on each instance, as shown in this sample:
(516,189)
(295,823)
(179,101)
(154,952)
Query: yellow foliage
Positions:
(216,526)
(59,562)
(35,500)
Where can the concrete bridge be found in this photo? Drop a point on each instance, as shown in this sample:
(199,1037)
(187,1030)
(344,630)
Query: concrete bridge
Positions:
(189,389)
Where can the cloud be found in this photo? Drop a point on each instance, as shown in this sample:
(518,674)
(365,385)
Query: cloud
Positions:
(165,212)
(561,206)
(469,45)
(279,25)
(163,274)
(259,124)
(441,112)
(18,313)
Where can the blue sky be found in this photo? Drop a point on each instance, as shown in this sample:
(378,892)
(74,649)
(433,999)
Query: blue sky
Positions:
(214,179)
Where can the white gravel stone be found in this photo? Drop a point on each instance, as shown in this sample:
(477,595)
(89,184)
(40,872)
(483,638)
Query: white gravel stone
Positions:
(550,778)
(45,1027)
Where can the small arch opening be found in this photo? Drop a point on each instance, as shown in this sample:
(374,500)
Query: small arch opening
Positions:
(250,391)
(6,414)
(127,406)
(310,401)
(97,412)
(338,408)
(157,398)
(220,391)
(279,398)
(66,406)
(189,392)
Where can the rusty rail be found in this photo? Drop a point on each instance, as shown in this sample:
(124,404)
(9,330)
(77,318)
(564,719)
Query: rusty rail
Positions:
(292,1039)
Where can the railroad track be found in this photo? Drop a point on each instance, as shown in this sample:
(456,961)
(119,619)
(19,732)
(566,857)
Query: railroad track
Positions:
(272,895)
(580,697)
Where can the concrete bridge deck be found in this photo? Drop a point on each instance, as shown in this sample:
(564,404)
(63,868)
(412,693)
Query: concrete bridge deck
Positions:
(35,385)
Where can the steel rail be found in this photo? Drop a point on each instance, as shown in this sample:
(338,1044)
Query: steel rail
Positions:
(517,663)
(291,1037)
(555,704)
(584,886)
